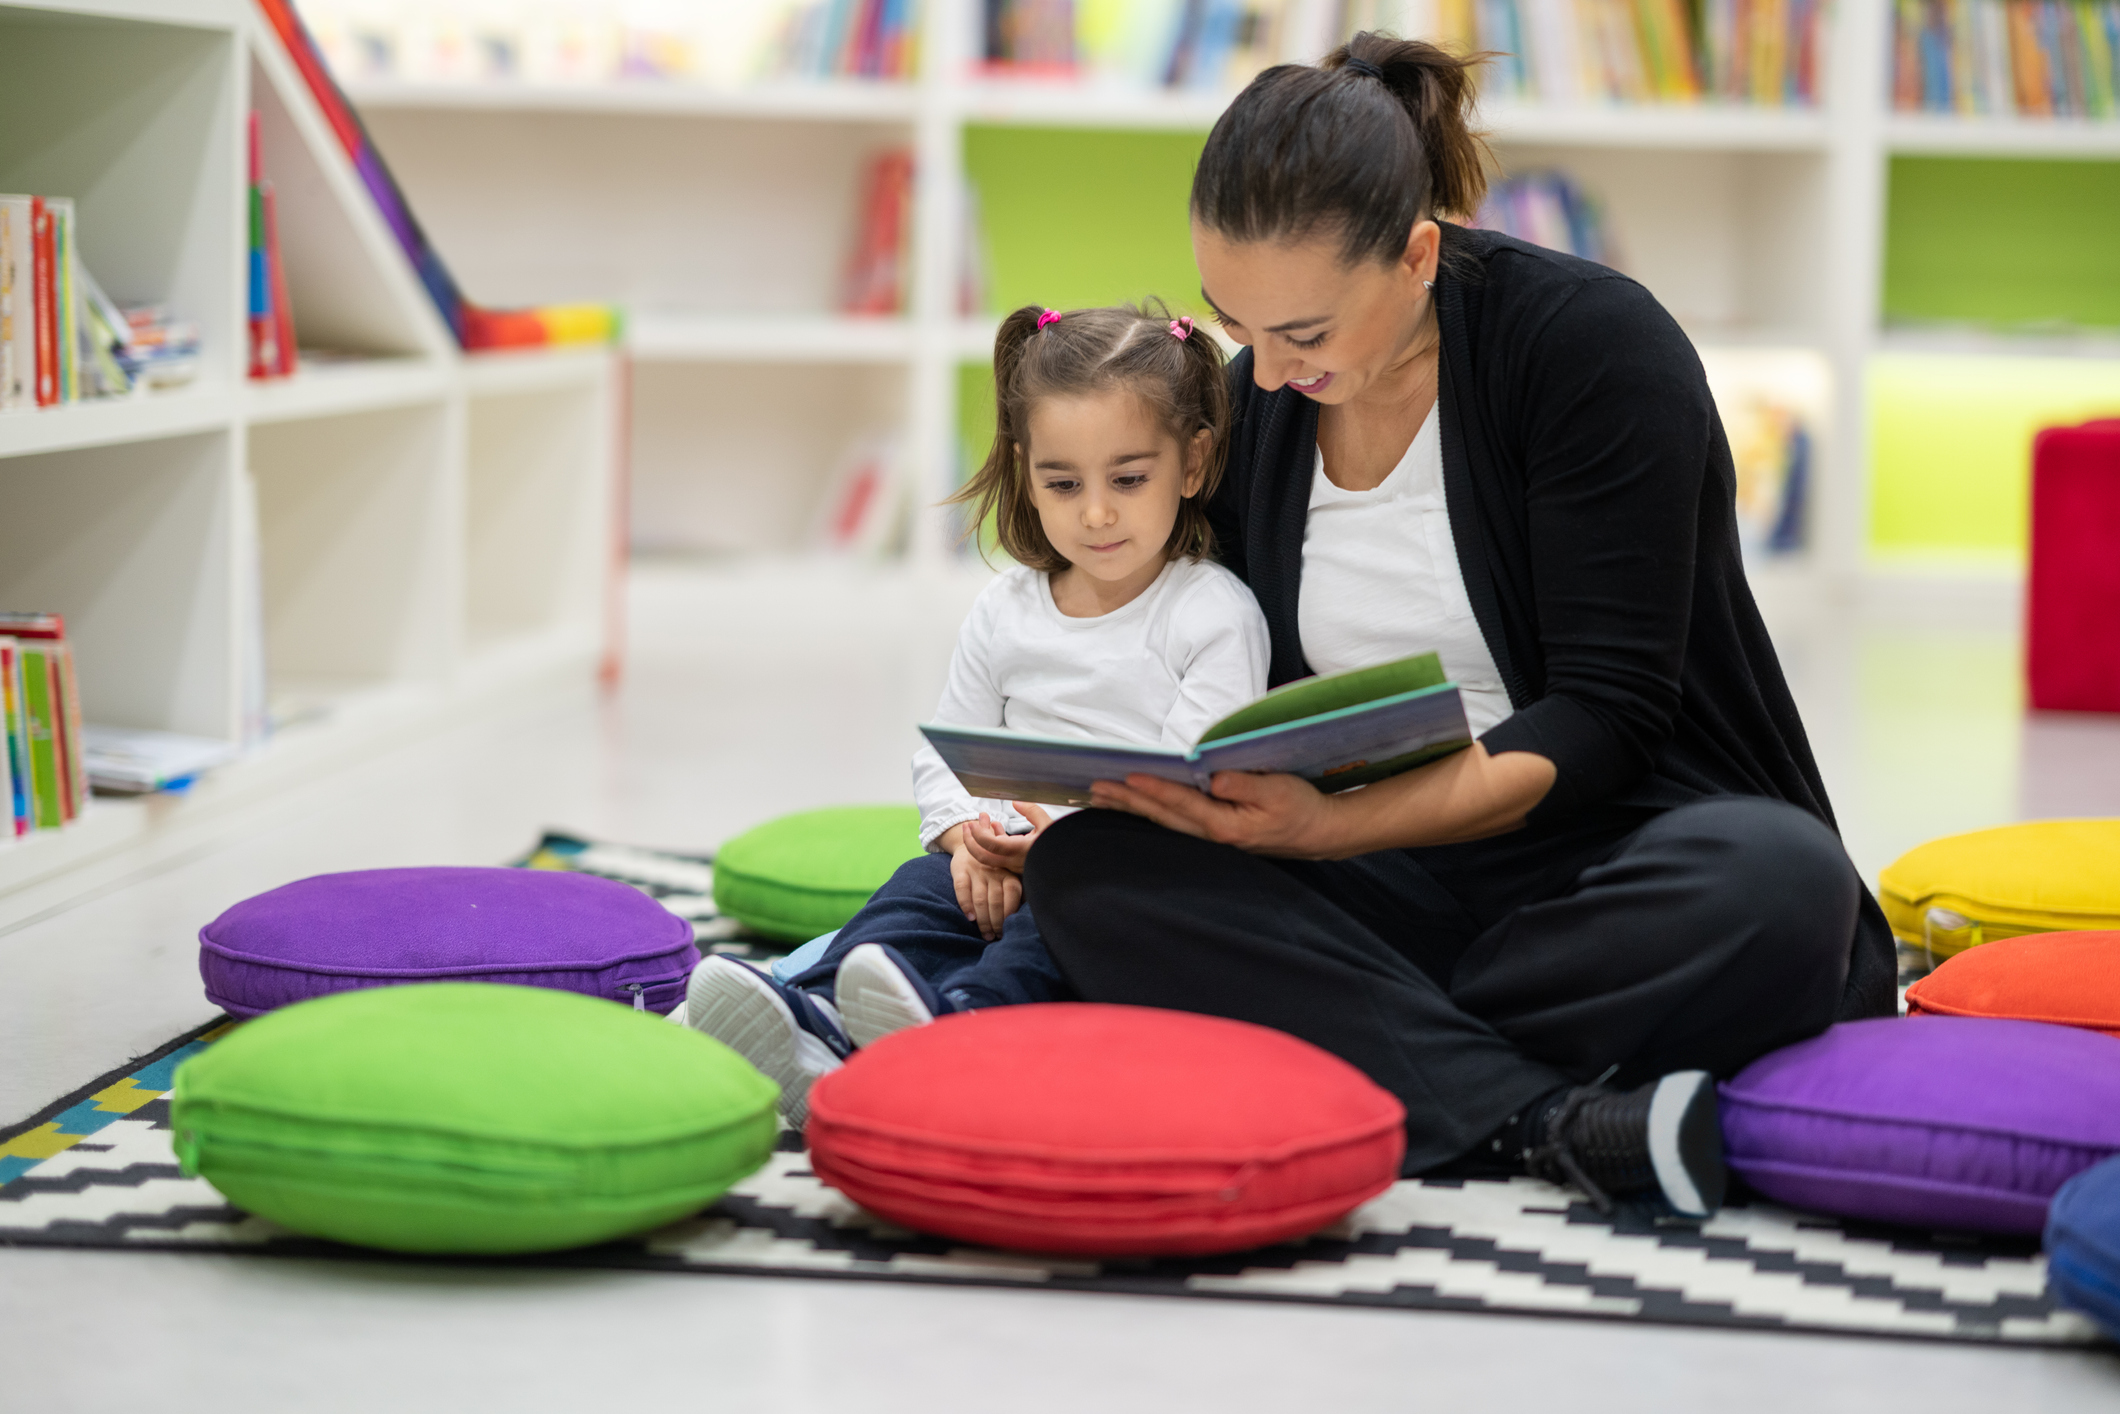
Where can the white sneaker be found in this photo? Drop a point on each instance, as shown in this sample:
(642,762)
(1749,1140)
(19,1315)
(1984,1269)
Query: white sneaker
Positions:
(793,1038)
(879,994)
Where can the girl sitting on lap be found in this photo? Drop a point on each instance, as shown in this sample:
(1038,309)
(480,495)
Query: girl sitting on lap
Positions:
(1111,432)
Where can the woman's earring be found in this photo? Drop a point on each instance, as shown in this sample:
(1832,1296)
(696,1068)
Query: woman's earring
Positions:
(1427,284)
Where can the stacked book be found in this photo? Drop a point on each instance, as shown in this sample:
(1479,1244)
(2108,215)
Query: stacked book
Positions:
(44,777)
(2039,58)
(62,339)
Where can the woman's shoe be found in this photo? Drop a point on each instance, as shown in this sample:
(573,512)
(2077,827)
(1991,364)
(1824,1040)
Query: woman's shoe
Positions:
(879,992)
(791,1036)
(1665,1137)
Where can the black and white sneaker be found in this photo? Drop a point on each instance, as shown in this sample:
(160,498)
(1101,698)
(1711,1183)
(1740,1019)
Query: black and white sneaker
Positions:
(1663,1138)
(792,1037)
(879,992)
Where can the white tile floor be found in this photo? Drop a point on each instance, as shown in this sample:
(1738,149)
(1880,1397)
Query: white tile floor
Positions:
(773,688)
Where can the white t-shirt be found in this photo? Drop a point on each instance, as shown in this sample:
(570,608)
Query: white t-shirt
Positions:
(1188,651)
(1381,579)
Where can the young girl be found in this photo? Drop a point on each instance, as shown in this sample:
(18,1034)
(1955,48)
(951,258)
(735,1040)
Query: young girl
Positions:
(1111,431)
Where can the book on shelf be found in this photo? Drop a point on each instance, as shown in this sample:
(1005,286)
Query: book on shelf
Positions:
(721,42)
(2035,58)
(126,761)
(271,318)
(62,338)
(876,268)
(1337,731)
(867,500)
(45,733)
(1548,209)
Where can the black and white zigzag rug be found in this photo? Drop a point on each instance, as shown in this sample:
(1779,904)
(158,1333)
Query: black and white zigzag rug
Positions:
(95,1170)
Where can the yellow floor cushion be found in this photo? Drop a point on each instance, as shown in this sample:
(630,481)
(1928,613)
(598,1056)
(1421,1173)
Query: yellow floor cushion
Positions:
(2038,877)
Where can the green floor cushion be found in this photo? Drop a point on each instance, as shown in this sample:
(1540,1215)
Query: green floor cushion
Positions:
(805,874)
(470,1117)
(2040,876)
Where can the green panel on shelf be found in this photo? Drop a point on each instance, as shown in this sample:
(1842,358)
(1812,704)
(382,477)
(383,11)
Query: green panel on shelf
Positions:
(1076,218)
(2002,241)
(1951,444)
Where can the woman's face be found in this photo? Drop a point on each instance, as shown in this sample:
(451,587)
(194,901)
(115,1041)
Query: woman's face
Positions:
(1325,328)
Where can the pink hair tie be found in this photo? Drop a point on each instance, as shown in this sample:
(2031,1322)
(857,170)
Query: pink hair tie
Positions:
(1051,316)
(1181,327)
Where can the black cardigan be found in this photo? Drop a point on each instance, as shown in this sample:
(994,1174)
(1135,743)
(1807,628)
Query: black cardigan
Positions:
(1592,502)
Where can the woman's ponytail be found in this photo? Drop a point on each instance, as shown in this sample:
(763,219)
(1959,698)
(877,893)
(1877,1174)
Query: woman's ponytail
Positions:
(1436,89)
(1375,138)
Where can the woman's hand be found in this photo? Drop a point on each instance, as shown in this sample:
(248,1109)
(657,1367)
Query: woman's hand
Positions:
(997,850)
(1260,814)
(1468,795)
(986,894)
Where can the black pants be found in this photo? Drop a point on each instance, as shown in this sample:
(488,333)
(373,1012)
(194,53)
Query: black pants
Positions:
(916,912)
(1470,979)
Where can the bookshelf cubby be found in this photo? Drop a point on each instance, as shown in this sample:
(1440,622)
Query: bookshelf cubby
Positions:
(396,538)
(1762,228)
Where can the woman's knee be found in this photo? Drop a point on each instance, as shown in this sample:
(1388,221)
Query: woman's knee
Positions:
(1779,869)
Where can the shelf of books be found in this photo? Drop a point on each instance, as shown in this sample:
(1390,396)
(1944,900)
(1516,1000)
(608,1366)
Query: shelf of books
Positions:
(265,515)
(1734,157)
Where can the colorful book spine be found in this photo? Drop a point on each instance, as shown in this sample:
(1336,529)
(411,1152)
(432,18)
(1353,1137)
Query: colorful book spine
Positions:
(41,680)
(2032,58)
(14,742)
(18,314)
(41,709)
(47,300)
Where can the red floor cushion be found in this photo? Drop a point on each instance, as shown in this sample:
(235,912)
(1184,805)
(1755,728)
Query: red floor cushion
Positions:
(1105,1130)
(2068,979)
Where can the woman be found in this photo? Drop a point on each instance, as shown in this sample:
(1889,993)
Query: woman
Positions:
(1547,945)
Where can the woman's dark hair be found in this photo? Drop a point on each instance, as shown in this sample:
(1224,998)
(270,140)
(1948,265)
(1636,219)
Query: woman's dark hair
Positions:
(1179,380)
(1371,140)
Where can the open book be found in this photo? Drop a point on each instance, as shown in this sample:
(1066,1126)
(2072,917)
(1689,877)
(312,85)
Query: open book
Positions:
(1337,731)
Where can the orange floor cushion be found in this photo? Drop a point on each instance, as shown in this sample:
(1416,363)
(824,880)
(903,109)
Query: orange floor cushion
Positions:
(2068,979)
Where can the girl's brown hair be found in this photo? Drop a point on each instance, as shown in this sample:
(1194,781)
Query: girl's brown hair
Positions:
(1373,139)
(1178,378)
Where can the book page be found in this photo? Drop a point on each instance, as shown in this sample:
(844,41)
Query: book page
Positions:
(1329,692)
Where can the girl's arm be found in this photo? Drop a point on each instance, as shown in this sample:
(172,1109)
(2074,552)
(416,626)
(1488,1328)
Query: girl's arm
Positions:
(970,698)
(1466,796)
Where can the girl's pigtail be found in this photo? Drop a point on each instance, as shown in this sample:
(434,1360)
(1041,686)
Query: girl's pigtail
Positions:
(1203,392)
(998,492)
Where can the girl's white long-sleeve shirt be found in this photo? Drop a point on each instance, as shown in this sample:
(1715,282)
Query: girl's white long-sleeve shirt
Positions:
(1191,649)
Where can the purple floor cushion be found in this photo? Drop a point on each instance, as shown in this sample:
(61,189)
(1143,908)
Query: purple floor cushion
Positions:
(382,927)
(1935,1122)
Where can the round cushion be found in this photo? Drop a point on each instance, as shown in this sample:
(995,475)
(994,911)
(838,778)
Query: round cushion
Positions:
(1107,1130)
(2037,877)
(2065,979)
(380,927)
(806,874)
(458,1117)
(1936,1122)
(2083,1245)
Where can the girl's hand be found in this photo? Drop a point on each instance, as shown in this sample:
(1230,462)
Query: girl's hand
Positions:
(1278,815)
(987,896)
(996,850)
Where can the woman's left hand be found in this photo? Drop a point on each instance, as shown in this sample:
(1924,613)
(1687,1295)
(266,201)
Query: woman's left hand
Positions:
(1278,815)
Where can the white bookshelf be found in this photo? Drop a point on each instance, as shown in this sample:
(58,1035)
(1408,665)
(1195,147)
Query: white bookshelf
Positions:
(1760,228)
(415,535)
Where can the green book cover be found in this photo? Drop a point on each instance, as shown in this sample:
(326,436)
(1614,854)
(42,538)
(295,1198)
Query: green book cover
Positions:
(40,702)
(1329,692)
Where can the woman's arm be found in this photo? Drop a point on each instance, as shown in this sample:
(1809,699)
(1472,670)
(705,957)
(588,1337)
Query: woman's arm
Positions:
(1466,796)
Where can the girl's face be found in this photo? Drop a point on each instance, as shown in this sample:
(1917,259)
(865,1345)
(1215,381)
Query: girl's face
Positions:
(1106,480)
(1325,328)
